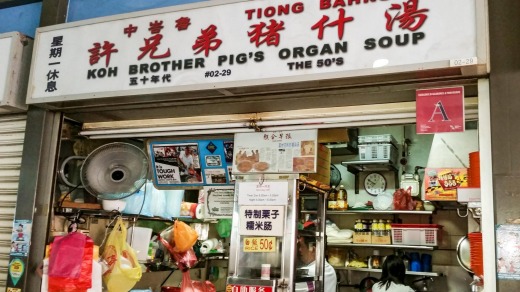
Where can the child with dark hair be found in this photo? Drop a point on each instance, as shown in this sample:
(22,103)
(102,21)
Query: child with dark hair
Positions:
(392,278)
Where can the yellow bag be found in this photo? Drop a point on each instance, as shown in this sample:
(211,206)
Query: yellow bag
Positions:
(123,268)
(184,236)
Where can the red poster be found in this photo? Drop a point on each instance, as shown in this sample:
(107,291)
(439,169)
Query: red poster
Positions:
(248,288)
(440,110)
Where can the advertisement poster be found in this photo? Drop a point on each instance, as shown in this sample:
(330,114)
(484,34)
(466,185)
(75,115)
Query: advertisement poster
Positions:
(440,184)
(21,237)
(275,152)
(191,163)
(219,201)
(508,253)
(440,110)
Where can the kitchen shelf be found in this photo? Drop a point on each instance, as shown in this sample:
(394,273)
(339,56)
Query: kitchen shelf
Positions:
(423,247)
(430,274)
(357,166)
(95,213)
(341,149)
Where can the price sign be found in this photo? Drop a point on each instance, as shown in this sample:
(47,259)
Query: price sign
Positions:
(259,244)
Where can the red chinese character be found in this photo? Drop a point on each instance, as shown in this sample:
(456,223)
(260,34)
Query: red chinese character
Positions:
(151,43)
(271,37)
(129,30)
(411,18)
(182,23)
(95,54)
(340,23)
(156,27)
(207,41)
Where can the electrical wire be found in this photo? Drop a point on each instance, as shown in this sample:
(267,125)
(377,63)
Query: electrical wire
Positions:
(66,195)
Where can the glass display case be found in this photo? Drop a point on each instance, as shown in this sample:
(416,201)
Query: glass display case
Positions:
(268,231)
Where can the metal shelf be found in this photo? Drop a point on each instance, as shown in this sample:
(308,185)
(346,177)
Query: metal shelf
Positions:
(377,212)
(430,274)
(423,247)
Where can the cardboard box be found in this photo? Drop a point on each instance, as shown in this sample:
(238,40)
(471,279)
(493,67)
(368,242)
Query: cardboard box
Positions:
(363,237)
(322,165)
(381,239)
(440,184)
(333,135)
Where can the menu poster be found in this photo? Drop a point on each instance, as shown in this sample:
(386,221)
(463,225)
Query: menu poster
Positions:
(219,201)
(275,152)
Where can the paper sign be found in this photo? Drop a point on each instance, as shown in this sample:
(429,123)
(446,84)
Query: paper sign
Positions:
(259,244)
(262,220)
(219,202)
(265,193)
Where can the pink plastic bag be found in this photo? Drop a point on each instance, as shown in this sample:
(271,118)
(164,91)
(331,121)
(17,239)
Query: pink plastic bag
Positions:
(188,285)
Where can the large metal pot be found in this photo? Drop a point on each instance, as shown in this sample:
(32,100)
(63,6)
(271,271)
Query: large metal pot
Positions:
(464,254)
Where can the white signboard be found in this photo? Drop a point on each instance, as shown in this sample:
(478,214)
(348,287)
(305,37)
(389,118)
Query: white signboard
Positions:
(5,47)
(262,220)
(13,77)
(219,201)
(265,193)
(275,152)
(208,46)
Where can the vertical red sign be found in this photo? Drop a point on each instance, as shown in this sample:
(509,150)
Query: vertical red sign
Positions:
(440,110)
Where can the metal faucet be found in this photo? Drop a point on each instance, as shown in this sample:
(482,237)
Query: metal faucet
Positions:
(424,281)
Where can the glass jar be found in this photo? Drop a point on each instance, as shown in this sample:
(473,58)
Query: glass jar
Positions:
(337,256)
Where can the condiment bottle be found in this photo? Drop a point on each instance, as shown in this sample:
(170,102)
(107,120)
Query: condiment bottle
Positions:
(381,227)
(341,198)
(332,204)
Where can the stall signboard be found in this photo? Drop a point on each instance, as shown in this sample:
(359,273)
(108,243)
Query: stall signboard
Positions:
(248,288)
(262,220)
(13,75)
(266,193)
(276,152)
(246,43)
(440,110)
(191,163)
(218,201)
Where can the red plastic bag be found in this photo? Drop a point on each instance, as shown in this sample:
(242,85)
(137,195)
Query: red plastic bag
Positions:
(184,260)
(70,263)
(403,199)
(188,285)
